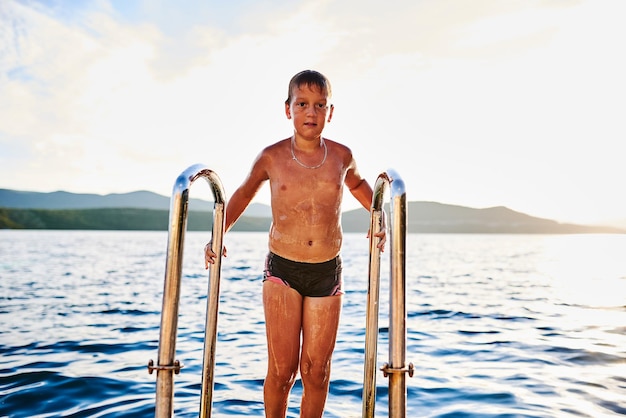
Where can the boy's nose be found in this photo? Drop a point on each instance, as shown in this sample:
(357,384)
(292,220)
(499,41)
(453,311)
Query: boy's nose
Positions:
(313,110)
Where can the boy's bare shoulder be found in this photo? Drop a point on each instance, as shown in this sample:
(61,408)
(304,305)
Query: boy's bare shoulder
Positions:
(338,148)
(338,145)
(271,152)
(278,146)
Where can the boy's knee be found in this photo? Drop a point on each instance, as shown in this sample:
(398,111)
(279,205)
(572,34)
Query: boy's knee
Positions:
(282,376)
(316,373)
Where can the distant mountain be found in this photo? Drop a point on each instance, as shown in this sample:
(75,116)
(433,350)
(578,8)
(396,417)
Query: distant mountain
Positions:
(63,210)
(433,217)
(65,200)
(16,199)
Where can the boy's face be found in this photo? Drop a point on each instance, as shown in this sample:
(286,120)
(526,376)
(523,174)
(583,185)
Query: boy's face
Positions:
(310,110)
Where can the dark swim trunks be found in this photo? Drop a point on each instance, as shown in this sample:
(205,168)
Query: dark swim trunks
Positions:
(309,279)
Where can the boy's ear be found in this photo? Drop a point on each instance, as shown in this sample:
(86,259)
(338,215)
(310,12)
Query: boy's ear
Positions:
(330,113)
(287,110)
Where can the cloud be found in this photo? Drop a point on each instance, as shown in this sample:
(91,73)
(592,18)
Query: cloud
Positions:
(499,103)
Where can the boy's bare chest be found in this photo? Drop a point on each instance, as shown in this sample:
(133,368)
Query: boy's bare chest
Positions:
(319,187)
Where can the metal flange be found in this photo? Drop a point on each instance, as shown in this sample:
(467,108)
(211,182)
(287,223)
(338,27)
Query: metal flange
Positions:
(386,369)
(176,367)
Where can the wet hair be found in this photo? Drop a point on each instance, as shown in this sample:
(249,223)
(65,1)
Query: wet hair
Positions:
(308,78)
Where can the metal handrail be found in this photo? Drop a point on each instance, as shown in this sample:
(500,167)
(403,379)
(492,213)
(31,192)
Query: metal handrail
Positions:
(167,366)
(396,368)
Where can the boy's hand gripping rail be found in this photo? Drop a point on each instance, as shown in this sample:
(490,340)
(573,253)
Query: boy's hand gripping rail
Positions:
(166,365)
(397,368)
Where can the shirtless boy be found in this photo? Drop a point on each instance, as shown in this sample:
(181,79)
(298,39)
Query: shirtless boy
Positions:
(302,281)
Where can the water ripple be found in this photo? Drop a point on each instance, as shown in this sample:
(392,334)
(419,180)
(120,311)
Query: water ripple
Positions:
(497,326)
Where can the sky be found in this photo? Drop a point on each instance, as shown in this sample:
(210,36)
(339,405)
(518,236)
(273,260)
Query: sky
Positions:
(517,103)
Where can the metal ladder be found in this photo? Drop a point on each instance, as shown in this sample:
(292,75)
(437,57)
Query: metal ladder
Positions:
(167,366)
(396,369)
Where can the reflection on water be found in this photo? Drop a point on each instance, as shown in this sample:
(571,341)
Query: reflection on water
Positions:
(497,325)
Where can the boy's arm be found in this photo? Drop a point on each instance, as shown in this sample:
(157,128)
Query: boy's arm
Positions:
(244,194)
(238,203)
(362,191)
(358,186)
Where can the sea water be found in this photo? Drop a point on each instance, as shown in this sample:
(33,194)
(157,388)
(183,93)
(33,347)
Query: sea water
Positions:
(497,325)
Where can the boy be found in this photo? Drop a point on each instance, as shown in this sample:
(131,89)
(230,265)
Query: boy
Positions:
(302,281)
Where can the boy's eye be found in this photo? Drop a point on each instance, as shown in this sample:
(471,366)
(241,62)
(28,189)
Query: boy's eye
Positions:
(321,107)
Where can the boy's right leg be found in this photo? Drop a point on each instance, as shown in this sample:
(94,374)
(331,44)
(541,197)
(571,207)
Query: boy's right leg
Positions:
(283,321)
(320,321)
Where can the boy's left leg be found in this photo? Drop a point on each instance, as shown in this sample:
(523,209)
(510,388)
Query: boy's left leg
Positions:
(320,321)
